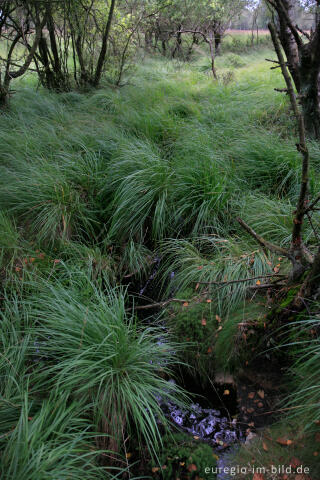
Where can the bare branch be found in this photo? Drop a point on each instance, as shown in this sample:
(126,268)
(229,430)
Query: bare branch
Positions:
(313,227)
(313,204)
(305,34)
(242,280)
(159,304)
(264,243)
(272,61)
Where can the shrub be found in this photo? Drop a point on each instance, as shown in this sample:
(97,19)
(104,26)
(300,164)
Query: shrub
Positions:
(234,60)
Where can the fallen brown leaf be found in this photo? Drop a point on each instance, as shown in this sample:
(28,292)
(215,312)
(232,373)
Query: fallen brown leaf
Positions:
(260,393)
(258,476)
(265,446)
(295,462)
(284,441)
(192,467)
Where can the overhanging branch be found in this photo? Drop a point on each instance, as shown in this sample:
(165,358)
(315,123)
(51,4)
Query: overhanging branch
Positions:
(264,243)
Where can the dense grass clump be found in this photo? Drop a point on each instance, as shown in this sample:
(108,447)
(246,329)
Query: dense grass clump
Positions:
(304,401)
(51,443)
(48,201)
(212,264)
(14,344)
(101,356)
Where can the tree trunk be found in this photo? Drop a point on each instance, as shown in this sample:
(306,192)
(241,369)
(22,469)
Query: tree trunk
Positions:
(211,42)
(148,40)
(217,42)
(312,284)
(288,43)
(177,48)
(310,91)
(4,96)
(303,62)
(103,52)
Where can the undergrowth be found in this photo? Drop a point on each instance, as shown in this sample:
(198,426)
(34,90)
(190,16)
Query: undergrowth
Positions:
(99,189)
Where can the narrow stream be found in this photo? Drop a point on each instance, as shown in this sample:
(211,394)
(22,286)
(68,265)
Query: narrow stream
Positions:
(212,415)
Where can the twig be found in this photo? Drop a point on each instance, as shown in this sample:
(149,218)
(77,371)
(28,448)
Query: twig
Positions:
(266,285)
(281,90)
(272,61)
(159,304)
(313,204)
(312,226)
(305,34)
(242,280)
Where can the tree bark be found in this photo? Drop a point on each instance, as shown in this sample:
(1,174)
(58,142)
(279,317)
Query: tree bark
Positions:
(310,89)
(303,62)
(103,51)
(177,48)
(288,42)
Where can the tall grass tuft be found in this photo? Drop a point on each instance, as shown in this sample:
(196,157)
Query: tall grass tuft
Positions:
(268,164)
(200,263)
(10,241)
(45,197)
(101,356)
(203,196)
(304,343)
(141,199)
(53,442)
(14,345)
